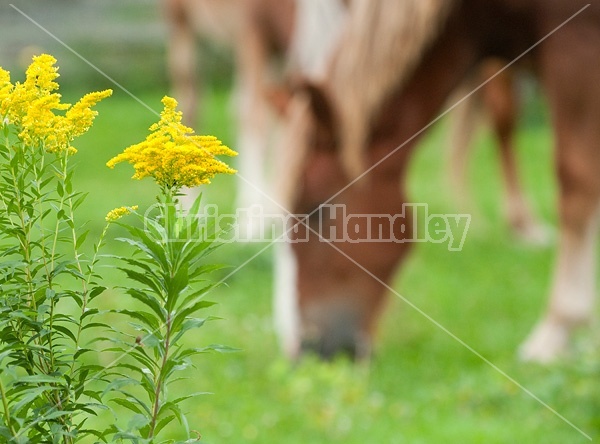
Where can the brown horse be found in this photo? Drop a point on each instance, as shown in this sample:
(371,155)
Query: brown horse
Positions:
(351,138)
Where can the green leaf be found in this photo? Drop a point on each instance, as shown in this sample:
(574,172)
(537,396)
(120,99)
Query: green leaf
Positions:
(59,269)
(195,251)
(81,352)
(188,324)
(179,414)
(204,269)
(143,265)
(140,355)
(81,239)
(80,199)
(139,402)
(187,352)
(64,330)
(116,384)
(173,365)
(90,312)
(147,383)
(56,414)
(137,422)
(153,247)
(93,394)
(180,317)
(176,285)
(143,316)
(150,302)
(96,291)
(95,325)
(69,182)
(161,424)
(145,280)
(96,433)
(30,395)
(221,348)
(195,208)
(192,395)
(192,297)
(40,379)
(127,404)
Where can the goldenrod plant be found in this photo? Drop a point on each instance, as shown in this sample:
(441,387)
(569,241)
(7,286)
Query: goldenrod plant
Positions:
(49,385)
(42,375)
(167,264)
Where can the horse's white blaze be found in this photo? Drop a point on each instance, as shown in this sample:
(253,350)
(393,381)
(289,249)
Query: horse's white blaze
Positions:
(572,298)
(318,25)
(251,162)
(287,324)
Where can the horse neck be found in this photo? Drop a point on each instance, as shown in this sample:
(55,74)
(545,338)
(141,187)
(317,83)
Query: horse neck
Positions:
(417,104)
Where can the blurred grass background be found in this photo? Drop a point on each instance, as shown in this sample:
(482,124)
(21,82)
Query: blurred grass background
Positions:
(421,386)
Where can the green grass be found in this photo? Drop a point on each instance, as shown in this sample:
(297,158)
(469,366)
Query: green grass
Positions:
(422,386)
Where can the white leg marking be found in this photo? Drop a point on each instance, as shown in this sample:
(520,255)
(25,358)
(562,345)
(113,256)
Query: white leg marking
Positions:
(287,324)
(572,298)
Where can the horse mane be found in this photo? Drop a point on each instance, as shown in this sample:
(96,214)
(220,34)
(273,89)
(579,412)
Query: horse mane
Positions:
(381,45)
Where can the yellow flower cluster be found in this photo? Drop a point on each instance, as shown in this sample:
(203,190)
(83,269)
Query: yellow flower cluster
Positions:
(5,89)
(173,156)
(31,107)
(118,213)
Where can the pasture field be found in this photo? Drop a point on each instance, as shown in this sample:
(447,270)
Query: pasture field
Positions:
(422,386)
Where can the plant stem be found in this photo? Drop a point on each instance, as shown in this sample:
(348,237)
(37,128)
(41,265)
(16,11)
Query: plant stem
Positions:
(7,410)
(86,293)
(159,381)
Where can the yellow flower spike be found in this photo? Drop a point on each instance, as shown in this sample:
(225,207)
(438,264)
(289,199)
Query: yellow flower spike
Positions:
(39,84)
(80,116)
(173,156)
(118,213)
(5,90)
(31,106)
(4,78)
(42,73)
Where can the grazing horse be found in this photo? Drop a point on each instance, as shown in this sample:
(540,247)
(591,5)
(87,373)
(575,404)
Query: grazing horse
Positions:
(352,135)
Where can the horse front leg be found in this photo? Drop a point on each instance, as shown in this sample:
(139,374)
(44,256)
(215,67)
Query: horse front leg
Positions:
(574,98)
(573,289)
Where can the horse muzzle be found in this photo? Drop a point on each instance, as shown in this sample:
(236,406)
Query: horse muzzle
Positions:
(335,335)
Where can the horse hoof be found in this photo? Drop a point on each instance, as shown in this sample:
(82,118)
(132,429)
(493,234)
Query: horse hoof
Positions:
(546,343)
(537,235)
